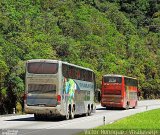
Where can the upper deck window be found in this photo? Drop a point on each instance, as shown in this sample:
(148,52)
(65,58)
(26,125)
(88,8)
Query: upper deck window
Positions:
(110,79)
(73,72)
(42,68)
(130,82)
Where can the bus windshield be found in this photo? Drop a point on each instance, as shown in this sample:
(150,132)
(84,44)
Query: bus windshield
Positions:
(110,79)
(42,68)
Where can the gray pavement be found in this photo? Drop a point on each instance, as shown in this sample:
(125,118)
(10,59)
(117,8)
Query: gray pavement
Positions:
(25,124)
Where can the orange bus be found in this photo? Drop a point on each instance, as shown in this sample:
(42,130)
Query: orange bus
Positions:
(119,91)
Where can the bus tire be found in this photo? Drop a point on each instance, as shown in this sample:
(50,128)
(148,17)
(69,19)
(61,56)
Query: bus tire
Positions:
(37,117)
(86,114)
(127,106)
(88,111)
(72,113)
(67,114)
(108,108)
(135,105)
(94,110)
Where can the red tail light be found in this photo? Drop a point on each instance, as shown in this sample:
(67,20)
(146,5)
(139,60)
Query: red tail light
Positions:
(58,98)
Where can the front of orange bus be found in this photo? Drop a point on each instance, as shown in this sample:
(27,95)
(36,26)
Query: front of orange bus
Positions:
(112,91)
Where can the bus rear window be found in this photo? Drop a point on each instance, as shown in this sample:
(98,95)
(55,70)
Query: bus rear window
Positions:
(42,68)
(109,79)
(41,88)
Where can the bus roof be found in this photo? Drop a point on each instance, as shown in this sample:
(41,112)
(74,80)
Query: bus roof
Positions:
(57,61)
(116,75)
(42,60)
(77,66)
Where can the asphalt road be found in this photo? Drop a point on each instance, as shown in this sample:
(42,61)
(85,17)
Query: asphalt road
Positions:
(26,125)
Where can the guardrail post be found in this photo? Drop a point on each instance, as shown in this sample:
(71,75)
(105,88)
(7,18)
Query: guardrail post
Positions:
(104,120)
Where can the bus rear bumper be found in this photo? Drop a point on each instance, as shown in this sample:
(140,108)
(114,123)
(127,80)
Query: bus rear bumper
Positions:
(112,104)
(53,111)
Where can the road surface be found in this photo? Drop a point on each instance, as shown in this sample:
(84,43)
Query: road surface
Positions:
(26,125)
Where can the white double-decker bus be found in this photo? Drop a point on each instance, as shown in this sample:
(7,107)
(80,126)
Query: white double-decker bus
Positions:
(57,88)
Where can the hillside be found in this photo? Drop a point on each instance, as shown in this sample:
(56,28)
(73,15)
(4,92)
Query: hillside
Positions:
(120,37)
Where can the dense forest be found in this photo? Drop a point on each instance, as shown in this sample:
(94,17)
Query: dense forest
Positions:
(108,36)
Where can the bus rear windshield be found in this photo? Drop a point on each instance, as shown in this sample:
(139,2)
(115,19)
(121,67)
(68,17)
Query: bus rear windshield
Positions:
(41,88)
(109,79)
(42,68)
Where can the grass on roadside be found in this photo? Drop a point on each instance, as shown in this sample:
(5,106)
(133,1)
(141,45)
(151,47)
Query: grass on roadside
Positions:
(145,121)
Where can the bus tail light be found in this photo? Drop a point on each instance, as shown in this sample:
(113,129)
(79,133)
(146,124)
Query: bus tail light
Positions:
(58,98)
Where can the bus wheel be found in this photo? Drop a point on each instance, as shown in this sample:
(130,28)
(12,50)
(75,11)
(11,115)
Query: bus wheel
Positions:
(37,117)
(72,113)
(88,112)
(135,105)
(108,108)
(67,114)
(127,106)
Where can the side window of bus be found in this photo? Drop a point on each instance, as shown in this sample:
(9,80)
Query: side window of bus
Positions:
(126,81)
(93,77)
(135,83)
(69,71)
(90,77)
(131,82)
(83,74)
(78,74)
(74,73)
(64,70)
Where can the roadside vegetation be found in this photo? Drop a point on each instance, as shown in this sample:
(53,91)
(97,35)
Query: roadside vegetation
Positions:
(146,120)
(119,37)
(142,123)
